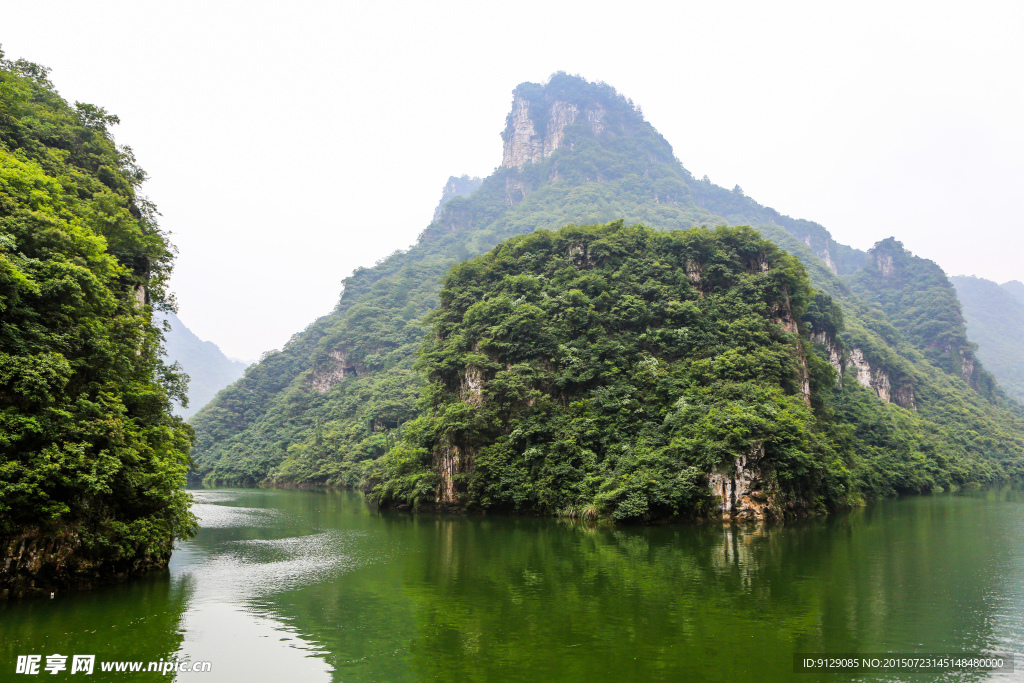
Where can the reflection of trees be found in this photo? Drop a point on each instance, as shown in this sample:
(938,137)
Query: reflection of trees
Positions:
(139,621)
(551,601)
(497,598)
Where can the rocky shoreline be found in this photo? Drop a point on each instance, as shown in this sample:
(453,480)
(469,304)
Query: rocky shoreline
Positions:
(37,564)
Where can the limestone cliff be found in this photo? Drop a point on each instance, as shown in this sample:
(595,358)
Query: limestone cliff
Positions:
(869,374)
(536,129)
(461,186)
(330,370)
(742,490)
(784,317)
(822,249)
(878,380)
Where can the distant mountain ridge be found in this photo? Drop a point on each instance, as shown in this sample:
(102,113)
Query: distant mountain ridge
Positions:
(995,320)
(208,369)
(1015,287)
(337,397)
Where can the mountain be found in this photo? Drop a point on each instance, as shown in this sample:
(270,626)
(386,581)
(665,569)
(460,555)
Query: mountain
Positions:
(461,186)
(208,369)
(92,463)
(995,320)
(341,393)
(608,369)
(1016,288)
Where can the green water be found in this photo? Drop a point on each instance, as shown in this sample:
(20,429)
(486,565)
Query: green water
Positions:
(316,586)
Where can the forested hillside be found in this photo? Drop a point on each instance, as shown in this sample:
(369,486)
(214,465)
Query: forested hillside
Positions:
(608,370)
(342,392)
(995,321)
(91,460)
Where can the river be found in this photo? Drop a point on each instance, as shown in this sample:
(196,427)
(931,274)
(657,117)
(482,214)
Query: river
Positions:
(317,586)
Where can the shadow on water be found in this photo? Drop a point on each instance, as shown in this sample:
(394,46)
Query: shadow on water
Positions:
(138,621)
(317,586)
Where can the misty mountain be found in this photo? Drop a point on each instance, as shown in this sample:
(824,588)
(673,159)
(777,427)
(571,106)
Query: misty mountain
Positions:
(995,321)
(1016,288)
(337,397)
(209,370)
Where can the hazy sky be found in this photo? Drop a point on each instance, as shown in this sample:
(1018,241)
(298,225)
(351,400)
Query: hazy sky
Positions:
(291,142)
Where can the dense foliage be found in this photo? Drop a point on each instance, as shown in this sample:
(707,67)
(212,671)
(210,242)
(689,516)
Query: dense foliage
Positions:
(343,392)
(87,443)
(274,425)
(610,369)
(921,303)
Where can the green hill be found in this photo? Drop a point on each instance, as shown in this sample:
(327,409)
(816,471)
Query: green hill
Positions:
(91,460)
(341,394)
(607,369)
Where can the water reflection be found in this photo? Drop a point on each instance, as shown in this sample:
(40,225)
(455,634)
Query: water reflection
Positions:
(287,585)
(241,556)
(137,621)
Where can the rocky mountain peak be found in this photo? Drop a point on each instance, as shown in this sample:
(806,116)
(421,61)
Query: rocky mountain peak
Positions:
(542,114)
(526,144)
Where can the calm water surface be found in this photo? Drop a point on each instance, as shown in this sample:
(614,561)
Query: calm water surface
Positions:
(316,586)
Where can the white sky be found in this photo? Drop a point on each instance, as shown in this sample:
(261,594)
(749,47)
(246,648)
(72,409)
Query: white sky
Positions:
(291,142)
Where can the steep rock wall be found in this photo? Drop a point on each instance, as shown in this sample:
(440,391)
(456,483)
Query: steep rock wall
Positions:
(743,492)
(878,380)
(821,249)
(836,353)
(533,136)
(461,186)
(450,461)
(331,371)
(784,317)
(38,564)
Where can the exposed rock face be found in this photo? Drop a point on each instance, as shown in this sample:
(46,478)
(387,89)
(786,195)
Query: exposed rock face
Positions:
(140,296)
(904,397)
(784,317)
(581,257)
(449,461)
(878,380)
(694,274)
(326,374)
(461,186)
(743,493)
(471,389)
(836,357)
(515,191)
(873,378)
(966,366)
(823,252)
(33,564)
(883,261)
(870,377)
(525,144)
